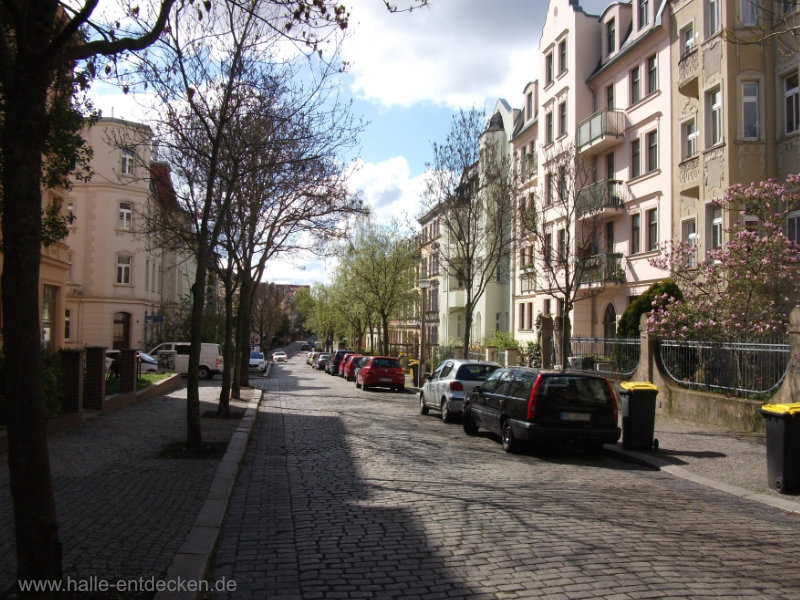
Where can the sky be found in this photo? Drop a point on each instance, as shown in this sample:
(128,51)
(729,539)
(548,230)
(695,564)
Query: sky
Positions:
(409,73)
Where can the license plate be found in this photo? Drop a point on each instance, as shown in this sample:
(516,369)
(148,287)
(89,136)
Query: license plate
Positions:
(385,379)
(572,416)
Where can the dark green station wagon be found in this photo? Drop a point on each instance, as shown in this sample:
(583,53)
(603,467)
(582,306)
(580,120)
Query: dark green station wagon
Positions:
(524,404)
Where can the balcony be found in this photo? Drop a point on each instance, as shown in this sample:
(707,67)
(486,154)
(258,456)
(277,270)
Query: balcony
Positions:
(529,166)
(689,176)
(600,198)
(689,73)
(603,129)
(600,269)
(456,299)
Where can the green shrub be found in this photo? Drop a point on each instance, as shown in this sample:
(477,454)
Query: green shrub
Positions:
(629,322)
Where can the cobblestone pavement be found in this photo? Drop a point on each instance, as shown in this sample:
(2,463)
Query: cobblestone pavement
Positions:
(352,494)
(123,511)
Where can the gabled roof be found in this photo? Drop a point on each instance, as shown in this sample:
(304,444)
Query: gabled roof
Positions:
(161,186)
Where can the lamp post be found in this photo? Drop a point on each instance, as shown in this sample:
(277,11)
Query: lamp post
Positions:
(423,285)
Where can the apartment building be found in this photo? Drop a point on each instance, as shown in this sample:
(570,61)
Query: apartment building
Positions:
(122,284)
(734,105)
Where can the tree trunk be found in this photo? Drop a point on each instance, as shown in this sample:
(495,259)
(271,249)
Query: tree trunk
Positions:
(194,434)
(24,133)
(224,406)
(385,327)
(467,327)
(245,321)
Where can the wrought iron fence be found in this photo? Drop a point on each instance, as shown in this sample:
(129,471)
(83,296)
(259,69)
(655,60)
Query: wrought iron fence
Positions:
(739,368)
(611,356)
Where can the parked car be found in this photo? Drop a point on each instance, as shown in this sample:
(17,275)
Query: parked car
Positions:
(332,367)
(321,357)
(359,363)
(305,346)
(525,404)
(451,383)
(256,358)
(279,356)
(211,362)
(310,357)
(348,371)
(381,371)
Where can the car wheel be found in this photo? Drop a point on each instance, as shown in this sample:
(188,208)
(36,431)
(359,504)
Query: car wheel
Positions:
(423,410)
(364,386)
(401,389)
(509,443)
(445,411)
(358,385)
(469,425)
(203,373)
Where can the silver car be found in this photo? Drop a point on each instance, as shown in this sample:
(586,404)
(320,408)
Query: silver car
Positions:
(451,382)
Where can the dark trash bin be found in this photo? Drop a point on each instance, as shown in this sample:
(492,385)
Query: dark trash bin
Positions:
(782,424)
(638,415)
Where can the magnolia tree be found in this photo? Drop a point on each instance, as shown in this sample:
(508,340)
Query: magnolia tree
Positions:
(745,288)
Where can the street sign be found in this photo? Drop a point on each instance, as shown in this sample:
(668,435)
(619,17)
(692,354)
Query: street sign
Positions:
(154,318)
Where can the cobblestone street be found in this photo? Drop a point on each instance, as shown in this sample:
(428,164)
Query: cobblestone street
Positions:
(352,494)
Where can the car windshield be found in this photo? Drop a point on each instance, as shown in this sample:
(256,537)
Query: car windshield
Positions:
(385,362)
(146,357)
(475,372)
(257,355)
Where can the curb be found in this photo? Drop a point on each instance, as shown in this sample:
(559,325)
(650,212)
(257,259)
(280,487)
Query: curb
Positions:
(191,562)
(662,464)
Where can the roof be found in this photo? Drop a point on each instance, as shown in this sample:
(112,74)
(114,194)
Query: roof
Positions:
(161,185)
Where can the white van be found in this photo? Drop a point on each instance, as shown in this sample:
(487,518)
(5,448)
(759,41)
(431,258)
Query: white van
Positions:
(210,357)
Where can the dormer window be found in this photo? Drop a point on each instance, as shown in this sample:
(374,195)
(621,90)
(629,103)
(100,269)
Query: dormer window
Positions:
(644,13)
(611,35)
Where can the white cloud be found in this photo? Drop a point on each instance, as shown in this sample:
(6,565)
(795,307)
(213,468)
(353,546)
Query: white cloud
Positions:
(454,52)
(388,189)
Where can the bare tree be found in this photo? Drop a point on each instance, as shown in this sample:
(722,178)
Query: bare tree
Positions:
(268,309)
(470,186)
(562,228)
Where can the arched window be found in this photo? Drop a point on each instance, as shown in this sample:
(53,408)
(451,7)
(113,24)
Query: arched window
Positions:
(610,322)
(125,215)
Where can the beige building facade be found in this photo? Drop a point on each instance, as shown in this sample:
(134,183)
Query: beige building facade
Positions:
(122,286)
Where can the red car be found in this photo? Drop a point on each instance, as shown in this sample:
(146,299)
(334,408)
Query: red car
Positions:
(342,363)
(350,363)
(381,371)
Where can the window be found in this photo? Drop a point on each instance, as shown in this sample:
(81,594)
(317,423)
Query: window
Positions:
(548,68)
(562,56)
(793,227)
(610,170)
(652,151)
(636,93)
(636,167)
(530,105)
(127,162)
(714,116)
(562,183)
(716,227)
(546,307)
(644,13)
(49,301)
(609,236)
(562,245)
(610,97)
(548,189)
(548,248)
(67,325)
(652,75)
(687,39)
(652,229)
(750,111)
(635,233)
(147,275)
(562,118)
(123,270)
(70,210)
(689,237)
(549,127)
(689,139)
(712,16)
(791,91)
(125,215)
(611,36)
(749,12)
(788,6)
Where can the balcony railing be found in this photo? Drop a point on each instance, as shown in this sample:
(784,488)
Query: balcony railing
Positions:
(605,194)
(529,167)
(602,268)
(603,125)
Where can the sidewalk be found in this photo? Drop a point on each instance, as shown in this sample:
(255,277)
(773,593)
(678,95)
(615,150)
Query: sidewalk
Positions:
(123,511)
(728,460)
